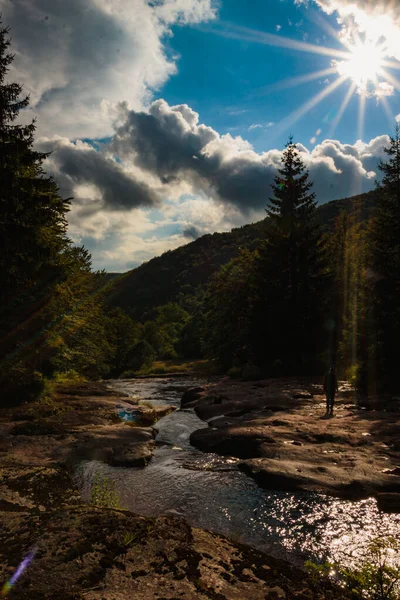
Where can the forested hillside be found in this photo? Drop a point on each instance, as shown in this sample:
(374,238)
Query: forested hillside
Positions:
(183,271)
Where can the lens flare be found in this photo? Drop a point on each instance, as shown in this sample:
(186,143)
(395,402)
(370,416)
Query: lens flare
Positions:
(21,568)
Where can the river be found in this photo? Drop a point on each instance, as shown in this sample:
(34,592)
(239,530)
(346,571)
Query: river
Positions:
(210,492)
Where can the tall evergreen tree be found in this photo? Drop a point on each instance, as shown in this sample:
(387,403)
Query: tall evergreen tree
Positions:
(51,318)
(384,338)
(290,270)
(32,213)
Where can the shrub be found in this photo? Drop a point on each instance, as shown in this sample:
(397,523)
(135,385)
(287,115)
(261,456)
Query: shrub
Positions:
(375,579)
(103,492)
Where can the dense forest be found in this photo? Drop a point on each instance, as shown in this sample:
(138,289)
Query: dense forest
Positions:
(306,287)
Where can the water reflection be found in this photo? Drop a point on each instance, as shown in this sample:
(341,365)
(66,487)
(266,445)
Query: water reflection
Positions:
(211,493)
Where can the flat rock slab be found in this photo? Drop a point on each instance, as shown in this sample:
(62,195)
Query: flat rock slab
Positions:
(280,429)
(98,553)
(79,423)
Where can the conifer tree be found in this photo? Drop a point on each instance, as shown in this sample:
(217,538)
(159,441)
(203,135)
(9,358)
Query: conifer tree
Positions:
(32,213)
(290,270)
(385,262)
(51,316)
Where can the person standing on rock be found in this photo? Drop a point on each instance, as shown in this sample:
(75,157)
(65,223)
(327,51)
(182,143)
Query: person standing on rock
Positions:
(330,389)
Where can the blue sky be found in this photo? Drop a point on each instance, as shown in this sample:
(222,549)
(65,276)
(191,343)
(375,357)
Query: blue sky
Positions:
(221,78)
(166,120)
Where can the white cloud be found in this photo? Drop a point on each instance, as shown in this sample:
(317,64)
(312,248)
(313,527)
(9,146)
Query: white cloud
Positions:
(79,58)
(383,89)
(261,126)
(203,181)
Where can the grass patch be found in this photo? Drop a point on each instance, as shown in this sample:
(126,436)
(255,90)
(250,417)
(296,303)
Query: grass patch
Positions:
(103,492)
(198,367)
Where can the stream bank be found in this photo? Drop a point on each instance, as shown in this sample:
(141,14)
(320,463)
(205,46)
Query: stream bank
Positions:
(210,491)
(99,553)
(83,552)
(279,430)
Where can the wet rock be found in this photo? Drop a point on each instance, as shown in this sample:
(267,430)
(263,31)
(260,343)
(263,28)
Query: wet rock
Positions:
(133,455)
(227,444)
(270,476)
(389,502)
(191,395)
(395,471)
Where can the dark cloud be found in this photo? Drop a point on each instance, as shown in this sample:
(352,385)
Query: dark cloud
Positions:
(77,165)
(166,147)
(168,142)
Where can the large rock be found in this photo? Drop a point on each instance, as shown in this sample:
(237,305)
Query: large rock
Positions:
(132,455)
(190,396)
(227,444)
(98,553)
(389,502)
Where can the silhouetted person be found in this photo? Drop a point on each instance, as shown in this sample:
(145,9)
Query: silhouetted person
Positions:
(330,389)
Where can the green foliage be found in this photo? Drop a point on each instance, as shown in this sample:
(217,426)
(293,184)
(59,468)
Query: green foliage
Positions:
(229,310)
(347,255)
(129,538)
(123,334)
(290,292)
(51,317)
(377,578)
(103,492)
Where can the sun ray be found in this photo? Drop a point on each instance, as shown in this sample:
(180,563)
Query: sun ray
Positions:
(310,104)
(342,109)
(390,64)
(295,81)
(253,35)
(318,20)
(388,111)
(361,117)
(395,82)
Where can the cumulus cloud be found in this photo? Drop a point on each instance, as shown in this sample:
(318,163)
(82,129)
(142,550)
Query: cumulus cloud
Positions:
(79,58)
(165,152)
(204,181)
(169,142)
(78,165)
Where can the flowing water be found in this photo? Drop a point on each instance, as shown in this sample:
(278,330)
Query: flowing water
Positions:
(210,492)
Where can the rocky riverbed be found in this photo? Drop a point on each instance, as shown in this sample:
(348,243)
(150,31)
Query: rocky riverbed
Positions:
(279,430)
(82,551)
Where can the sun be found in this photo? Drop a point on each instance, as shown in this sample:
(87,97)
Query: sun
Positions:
(363,66)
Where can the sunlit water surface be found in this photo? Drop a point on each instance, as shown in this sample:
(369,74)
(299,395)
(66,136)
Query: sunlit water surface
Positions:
(209,492)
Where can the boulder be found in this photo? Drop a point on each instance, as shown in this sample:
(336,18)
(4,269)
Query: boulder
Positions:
(190,396)
(389,502)
(97,553)
(132,455)
(240,446)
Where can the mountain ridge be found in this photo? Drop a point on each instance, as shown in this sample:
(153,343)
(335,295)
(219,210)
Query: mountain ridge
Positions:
(183,271)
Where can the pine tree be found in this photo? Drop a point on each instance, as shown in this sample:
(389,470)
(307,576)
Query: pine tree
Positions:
(290,270)
(51,316)
(385,263)
(32,213)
